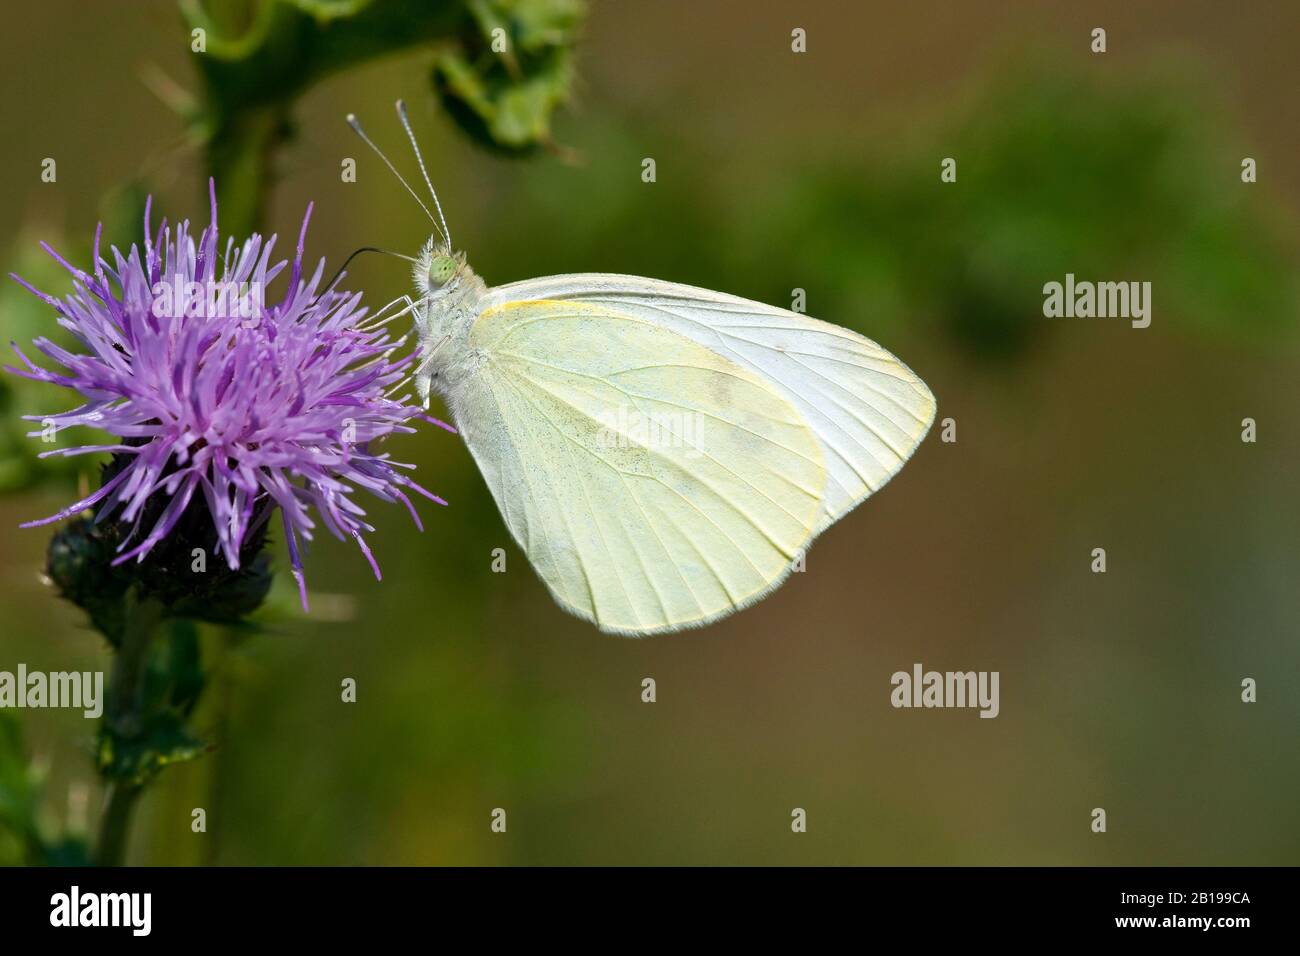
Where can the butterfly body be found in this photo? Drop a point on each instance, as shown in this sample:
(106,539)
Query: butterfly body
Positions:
(447,303)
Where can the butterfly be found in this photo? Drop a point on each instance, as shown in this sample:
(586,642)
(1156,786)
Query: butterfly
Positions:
(663,454)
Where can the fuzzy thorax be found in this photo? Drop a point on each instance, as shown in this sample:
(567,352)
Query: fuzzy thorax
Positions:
(449,293)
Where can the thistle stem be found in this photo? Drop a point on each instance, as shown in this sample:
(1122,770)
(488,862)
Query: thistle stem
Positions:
(116,825)
(125,697)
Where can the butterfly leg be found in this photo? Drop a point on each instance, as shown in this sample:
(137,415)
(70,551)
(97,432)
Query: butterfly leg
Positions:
(423,375)
(380,319)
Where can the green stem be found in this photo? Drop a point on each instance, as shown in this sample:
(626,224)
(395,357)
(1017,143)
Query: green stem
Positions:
(125,695)
(116,825)
(223,697)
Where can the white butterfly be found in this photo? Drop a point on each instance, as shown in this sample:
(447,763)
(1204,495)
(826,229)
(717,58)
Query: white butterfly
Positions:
(663,454)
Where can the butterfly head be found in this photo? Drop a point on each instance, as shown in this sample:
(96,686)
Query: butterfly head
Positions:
(439,271)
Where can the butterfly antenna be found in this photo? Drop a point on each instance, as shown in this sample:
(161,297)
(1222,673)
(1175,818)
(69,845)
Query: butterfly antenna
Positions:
(406,125)
(329,286)
(356,128)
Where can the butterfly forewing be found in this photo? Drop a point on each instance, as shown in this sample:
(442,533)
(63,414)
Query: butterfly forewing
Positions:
(868,410)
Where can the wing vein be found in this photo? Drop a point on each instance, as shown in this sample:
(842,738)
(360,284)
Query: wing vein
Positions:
(541,386)
(739,550)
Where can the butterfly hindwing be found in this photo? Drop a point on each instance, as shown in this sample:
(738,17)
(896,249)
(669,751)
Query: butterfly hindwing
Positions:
(653,482)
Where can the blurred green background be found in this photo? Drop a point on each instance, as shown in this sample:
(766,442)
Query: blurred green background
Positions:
(774,171)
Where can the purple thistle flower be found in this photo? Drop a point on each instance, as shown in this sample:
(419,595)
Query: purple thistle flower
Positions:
(225,400)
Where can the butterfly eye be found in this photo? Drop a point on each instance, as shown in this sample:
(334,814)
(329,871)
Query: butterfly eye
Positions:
(441,269)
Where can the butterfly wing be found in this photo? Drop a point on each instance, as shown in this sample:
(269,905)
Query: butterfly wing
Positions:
(868,410)
(653,483)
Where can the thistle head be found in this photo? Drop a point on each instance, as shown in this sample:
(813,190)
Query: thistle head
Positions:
(224,408)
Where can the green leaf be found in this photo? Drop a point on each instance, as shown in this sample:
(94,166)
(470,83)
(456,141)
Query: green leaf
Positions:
(262,54)
(326,10)
(135,758)
(503,82)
